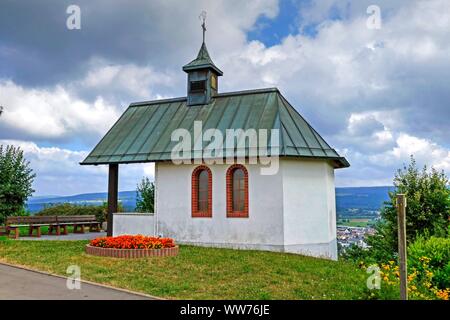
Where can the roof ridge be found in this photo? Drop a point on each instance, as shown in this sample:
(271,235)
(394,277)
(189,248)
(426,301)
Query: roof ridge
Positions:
(219,95)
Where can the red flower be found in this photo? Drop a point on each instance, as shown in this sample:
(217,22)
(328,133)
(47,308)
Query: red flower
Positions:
(133,242)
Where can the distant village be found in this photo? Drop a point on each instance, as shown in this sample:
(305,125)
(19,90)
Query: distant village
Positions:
(348,236)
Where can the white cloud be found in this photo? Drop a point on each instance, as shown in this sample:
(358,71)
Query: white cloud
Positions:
(377,95)
(379,168)
(53,114)
(119,82)
(58,171)
(424,151)
(370,92)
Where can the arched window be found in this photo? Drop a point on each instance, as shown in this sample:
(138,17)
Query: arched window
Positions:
(237,191)
(201,192)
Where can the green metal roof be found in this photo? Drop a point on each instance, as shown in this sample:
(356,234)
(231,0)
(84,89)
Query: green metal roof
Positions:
(143,132)
(202,61)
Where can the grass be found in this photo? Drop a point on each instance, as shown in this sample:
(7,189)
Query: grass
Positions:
(356,222)
(198,273)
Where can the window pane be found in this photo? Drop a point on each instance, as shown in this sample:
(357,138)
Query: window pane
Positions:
(203,191)
(238,190)
(238,174)
(198,86)
(240,206)
(213,81)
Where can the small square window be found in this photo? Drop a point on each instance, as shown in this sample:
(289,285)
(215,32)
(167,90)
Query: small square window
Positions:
(213,82)
(198,86)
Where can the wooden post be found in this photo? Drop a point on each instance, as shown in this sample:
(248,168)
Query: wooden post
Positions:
(113,188)
(401,218)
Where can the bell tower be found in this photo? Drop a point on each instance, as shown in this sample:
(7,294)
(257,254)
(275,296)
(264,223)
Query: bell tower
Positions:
(202,74)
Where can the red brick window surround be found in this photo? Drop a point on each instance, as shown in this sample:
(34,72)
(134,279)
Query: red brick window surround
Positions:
(201,192)
(237,191)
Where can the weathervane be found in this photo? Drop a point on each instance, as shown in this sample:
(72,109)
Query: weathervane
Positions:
(202,18)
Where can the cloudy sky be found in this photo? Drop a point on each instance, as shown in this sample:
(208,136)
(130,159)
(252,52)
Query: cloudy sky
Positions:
(377,95)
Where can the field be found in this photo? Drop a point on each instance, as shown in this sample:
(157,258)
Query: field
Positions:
(199,273)
(357,222)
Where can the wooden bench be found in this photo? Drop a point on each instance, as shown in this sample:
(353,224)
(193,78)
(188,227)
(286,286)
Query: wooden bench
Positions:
(55,224)
(78,223)
(33,223)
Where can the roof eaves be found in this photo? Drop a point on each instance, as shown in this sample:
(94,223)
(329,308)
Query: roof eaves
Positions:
(202,66)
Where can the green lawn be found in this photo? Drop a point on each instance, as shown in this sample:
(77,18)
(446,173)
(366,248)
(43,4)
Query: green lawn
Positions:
(199,273)
(356,223)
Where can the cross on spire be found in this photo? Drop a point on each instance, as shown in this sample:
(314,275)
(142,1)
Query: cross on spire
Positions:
(202,17)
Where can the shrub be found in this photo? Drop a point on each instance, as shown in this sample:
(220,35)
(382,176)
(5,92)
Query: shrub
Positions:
(437,251)
(16,179)
(420,282)
(145,196)
(68,209)
(133,242)
(427,211)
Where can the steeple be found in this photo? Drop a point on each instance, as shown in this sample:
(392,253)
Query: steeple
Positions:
(202,74)
(203,61)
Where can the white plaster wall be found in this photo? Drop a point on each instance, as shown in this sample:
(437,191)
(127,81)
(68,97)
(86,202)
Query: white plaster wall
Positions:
(133,223)
(263,229)
(292,211)
(309,207)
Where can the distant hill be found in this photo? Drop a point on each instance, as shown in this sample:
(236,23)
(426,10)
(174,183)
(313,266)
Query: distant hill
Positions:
(350,202)
(127,198)
(361,201)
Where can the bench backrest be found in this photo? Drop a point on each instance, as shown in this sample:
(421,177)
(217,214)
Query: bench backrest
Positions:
(68,219)
(31,220)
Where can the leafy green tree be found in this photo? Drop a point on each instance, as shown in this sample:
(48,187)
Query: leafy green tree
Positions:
(427,210)
(16,179)
(145,196)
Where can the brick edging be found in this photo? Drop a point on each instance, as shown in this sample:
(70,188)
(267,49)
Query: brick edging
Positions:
(131,253)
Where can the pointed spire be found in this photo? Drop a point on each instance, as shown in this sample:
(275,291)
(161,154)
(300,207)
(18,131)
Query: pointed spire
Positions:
(203,60)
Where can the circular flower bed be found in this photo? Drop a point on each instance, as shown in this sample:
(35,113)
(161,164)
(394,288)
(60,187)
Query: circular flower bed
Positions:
(128,246)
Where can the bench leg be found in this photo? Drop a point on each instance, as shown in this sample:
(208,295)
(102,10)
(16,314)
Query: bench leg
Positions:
(56,228)
(94,227)
(64,229)
(38,231)
(16,232)
(78,228)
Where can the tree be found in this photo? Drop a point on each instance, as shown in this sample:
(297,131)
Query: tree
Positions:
(145,196)
(427,211)
(16,179)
